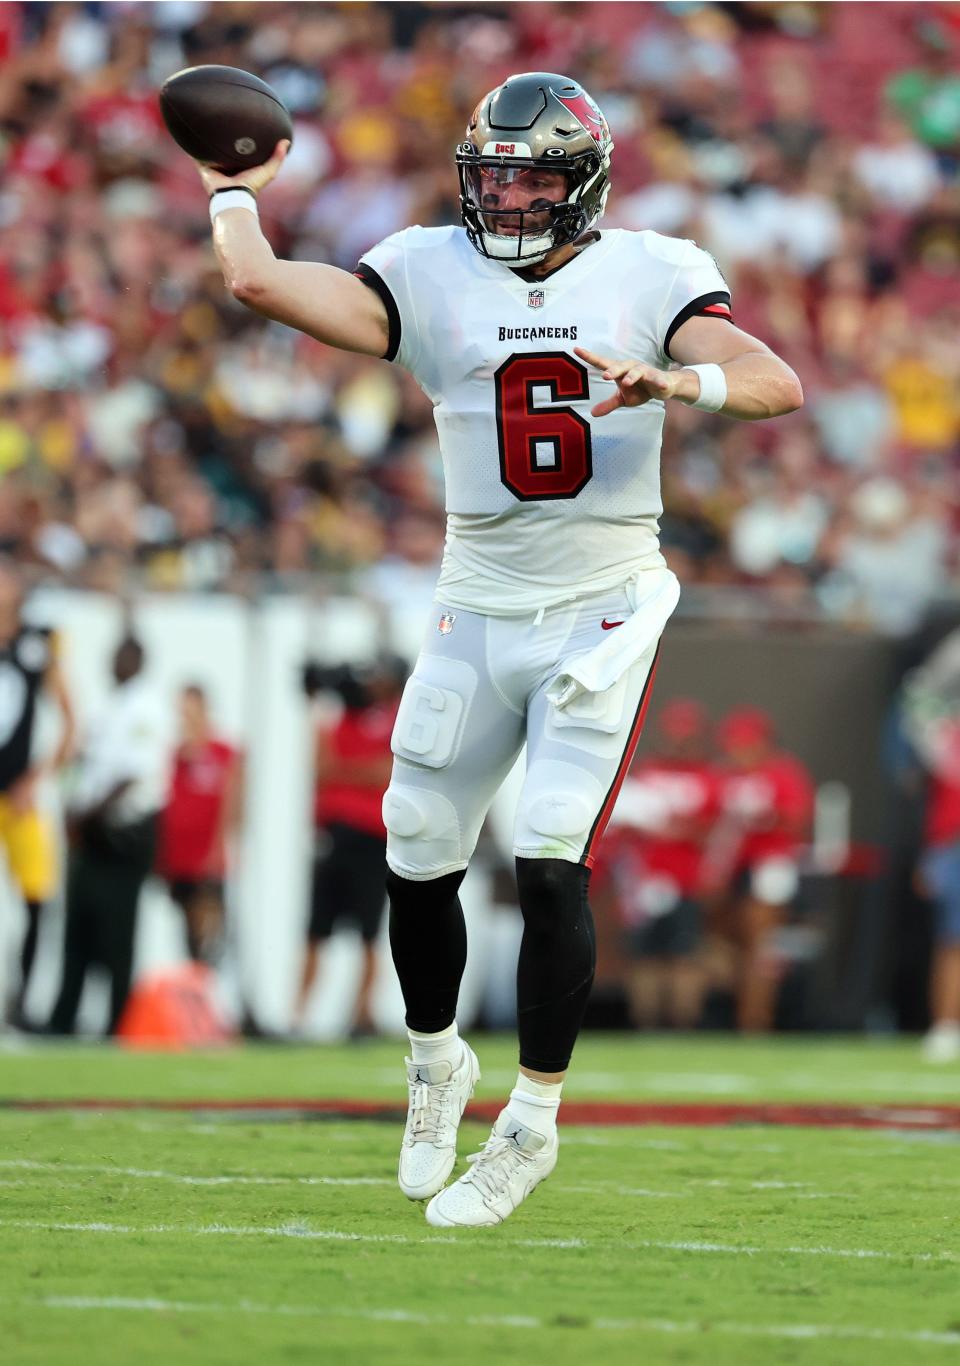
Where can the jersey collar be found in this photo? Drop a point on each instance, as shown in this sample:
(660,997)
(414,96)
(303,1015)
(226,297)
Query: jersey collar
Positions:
(557,282)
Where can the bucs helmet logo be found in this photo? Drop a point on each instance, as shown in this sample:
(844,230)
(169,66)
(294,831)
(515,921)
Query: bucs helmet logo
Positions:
(587,113)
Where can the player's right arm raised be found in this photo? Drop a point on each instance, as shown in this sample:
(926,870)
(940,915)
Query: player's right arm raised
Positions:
(323,301)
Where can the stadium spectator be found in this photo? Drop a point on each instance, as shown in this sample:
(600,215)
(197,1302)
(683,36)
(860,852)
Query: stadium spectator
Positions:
(928,94)
(352,769)
(653,851)
(202,814)
(898,172)
(29,667)
(117,794)
(752,857)
(150,427)
(889,562)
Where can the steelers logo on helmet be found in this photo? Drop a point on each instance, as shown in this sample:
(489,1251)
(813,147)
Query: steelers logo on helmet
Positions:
(534,168)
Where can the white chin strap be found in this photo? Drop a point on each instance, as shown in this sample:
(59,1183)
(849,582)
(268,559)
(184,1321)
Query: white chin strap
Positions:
(500,248)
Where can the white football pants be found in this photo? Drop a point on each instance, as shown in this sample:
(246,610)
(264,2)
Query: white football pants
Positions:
(476,695)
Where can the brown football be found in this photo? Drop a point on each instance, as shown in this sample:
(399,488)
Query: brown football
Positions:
(225,117)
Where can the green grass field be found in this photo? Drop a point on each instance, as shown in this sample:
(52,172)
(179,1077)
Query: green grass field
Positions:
(202,1236)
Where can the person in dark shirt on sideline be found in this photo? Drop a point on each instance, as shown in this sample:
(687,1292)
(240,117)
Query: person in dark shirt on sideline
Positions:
(29,667)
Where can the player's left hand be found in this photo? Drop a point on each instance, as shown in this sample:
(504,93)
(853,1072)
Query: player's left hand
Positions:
(636,382)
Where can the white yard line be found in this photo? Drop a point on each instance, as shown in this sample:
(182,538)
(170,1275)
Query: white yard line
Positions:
(789,1331)
(292,1230)
(798,1188)
(578,1136)
(144,1174)
(926,1084)
(611,1187)
(304,1231)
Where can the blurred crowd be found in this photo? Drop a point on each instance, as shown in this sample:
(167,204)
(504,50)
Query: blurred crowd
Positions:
(151,428)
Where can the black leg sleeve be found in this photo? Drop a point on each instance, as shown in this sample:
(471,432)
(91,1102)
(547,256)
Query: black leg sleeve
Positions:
(28,950)
(78,945)
(118,933)
(428,940)
(557,960)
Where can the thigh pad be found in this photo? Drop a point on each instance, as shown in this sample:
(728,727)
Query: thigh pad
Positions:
(433,711)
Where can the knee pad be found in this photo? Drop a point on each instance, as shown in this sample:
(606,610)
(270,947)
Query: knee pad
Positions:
(775,880)
(557,808)
(423,832)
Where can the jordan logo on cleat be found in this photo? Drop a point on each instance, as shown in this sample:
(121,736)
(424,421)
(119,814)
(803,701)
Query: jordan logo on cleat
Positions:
(424,1081)
(515,1136)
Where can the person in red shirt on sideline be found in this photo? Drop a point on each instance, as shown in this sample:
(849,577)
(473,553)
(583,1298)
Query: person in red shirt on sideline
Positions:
(202,812)
(938,878)
(752,860)
(654,856)
(353,762)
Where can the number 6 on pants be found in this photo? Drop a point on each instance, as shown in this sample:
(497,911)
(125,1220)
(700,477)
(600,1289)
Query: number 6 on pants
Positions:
(429,722)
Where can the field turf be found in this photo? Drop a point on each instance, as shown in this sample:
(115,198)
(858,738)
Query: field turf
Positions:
(216,1235)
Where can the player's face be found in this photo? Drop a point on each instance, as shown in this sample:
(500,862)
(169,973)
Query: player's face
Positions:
(503,190)
(744,753)
(193,715)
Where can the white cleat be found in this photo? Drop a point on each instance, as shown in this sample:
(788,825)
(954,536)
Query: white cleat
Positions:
(438,1097)
(511,1163)
(942,1043)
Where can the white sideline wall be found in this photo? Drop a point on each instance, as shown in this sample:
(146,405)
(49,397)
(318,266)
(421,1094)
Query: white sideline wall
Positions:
(248,657)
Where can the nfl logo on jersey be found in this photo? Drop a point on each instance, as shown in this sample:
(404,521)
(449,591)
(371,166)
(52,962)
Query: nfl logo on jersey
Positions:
(535,298)
(445,624)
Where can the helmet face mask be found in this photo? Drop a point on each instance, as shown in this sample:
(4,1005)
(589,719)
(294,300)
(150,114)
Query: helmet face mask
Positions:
(520,137)
(494,188)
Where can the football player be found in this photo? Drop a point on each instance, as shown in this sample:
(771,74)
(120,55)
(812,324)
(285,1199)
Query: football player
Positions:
(550,350)
(28,668)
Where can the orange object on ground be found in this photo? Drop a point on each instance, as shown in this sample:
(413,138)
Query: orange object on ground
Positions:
(174,1008)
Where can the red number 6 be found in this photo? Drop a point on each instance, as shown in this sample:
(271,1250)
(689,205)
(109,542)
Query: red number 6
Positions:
(544,452)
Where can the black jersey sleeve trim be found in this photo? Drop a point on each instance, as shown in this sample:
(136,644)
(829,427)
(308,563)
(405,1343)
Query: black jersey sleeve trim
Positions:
(379,286)
(716,305)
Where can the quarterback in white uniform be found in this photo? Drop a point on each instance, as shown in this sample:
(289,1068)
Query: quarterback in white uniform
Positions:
(549,350)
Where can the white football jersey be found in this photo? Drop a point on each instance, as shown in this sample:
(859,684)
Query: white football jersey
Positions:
(544,502)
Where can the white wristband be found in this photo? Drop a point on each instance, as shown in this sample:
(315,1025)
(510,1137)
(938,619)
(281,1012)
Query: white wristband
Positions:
(232,199)
(713,387)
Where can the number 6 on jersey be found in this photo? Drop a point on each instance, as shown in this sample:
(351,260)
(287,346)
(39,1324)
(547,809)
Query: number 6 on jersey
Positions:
(544,452)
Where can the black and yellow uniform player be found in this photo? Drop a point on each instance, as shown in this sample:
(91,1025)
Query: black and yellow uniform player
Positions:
(28,668)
